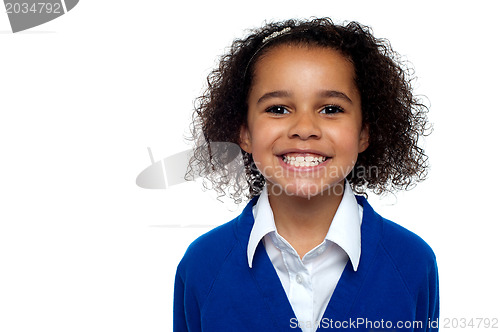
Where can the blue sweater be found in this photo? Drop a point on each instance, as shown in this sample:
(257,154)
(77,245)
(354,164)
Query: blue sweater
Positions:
(395,286)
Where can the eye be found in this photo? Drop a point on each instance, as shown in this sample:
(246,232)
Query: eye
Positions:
(332,109)
(277,109)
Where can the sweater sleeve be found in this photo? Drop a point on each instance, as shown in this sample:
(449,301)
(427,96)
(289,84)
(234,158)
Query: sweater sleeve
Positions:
(196,274)
(416,262)
(428,301)
(433,323)
(180,323)
(186,309)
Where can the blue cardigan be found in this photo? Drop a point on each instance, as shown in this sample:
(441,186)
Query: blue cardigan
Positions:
(395,286)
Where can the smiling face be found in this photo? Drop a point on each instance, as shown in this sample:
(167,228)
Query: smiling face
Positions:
(304,127)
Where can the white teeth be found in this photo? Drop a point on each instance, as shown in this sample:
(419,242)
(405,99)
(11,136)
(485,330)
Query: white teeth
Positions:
(301,161)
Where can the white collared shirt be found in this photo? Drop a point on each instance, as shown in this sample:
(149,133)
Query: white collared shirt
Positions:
(309,282)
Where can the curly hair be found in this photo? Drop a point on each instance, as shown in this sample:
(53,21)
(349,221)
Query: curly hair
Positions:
(396,117)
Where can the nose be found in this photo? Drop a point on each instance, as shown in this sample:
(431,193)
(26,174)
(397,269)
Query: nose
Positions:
(304,126)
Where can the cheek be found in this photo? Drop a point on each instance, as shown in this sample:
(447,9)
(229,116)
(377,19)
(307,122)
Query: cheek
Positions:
(346,140)
(265,133)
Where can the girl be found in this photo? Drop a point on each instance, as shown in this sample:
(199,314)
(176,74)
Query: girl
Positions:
(320,111)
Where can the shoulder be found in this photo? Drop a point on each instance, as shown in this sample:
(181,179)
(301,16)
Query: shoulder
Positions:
(210,249)
(409,255)
(416,264)
(206,255)
(412,257)
(202,262)
(401,260)
(403,245)
(211,256)
(400,243)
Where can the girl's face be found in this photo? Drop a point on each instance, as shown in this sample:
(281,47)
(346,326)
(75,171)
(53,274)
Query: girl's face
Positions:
(304,126)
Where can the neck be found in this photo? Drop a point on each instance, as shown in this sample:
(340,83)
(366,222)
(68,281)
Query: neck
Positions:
(304,222)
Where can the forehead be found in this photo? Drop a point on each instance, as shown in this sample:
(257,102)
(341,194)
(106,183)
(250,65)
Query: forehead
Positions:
(294,64)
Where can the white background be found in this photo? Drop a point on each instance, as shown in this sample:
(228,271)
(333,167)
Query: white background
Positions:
(82,248)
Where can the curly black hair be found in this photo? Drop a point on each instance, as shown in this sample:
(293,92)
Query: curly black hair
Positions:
(396,117)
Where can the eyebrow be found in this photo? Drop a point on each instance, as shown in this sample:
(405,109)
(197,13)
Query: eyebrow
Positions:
(273,94)
(324,94)
(335,94)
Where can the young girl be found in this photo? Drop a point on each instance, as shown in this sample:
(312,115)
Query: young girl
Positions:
(319,111)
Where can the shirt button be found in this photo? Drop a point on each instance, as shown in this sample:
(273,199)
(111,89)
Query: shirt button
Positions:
(299,279)
(321,250)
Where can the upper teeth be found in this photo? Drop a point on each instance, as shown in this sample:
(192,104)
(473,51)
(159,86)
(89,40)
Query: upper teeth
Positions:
(303,161)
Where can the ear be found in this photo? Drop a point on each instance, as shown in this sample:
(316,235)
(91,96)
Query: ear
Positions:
(245,139)
(364,138)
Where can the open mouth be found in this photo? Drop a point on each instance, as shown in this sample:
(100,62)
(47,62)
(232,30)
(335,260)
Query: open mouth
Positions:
(303,160)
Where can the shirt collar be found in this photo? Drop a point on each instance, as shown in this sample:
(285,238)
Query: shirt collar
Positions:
(264,224)
(345,229)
